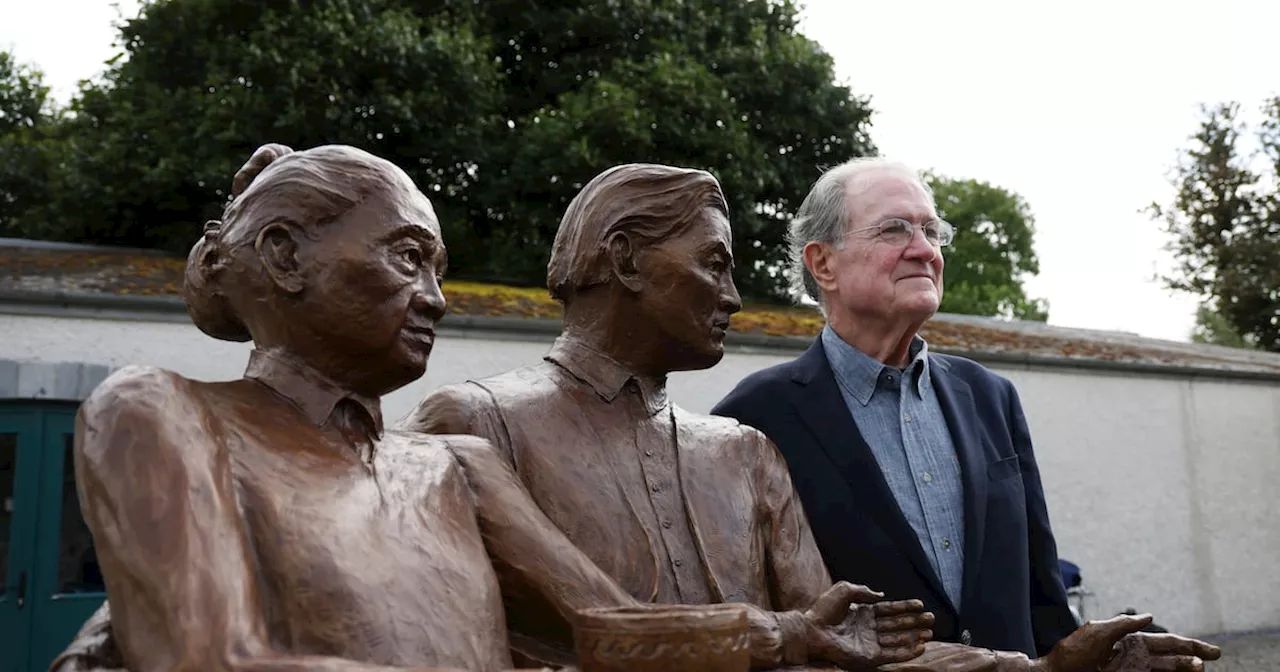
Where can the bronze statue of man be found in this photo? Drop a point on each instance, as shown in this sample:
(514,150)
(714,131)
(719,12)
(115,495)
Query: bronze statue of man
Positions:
(676,507)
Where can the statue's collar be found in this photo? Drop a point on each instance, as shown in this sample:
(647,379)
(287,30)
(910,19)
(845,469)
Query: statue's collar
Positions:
(604,374)
(311,391)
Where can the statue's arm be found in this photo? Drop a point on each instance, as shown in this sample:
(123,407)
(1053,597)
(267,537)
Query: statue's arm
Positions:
(798,573)
(158,496)
(525,542)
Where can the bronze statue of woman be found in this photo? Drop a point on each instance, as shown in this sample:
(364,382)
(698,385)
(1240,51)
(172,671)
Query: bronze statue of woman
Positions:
(272,522)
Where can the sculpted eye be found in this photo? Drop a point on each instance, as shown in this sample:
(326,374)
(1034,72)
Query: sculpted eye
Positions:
(412,256)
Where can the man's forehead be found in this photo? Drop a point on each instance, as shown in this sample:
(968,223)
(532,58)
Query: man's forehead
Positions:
(888,192)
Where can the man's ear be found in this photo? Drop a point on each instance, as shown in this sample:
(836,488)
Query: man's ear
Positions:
(818,258)
(622,260)
(277,247)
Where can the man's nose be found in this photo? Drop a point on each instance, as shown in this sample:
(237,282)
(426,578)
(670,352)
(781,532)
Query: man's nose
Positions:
(919,246)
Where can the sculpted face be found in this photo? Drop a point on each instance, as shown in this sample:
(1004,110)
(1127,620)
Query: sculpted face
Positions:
(874,275)
(688,292)
(371,292)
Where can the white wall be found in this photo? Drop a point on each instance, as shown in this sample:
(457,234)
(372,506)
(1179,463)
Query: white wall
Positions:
(1158,486)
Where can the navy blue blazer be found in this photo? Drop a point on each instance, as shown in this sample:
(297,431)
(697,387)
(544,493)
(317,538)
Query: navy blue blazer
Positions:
(1012,598)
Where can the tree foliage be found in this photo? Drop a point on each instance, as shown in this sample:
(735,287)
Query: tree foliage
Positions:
(1213,329)
(1225,221)
(501,110)
(26,142)
(992,254)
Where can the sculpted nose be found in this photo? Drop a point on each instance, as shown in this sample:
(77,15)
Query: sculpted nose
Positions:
(730,301)
(429,299)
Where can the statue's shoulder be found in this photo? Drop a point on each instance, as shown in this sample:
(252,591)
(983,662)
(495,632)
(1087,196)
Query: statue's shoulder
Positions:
(708,423)
(522,383)
(720,428)
(137,386)
(144,414)
(139,396)
(723,433)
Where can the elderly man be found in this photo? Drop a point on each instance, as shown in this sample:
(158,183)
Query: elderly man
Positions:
(916,469)
(678,507)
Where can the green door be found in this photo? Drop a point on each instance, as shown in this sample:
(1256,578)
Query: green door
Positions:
(19,482)
(55,582)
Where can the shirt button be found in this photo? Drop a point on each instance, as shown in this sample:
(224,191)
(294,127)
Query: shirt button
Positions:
(946,543)
(928,477)
(654,488)
(666,524)
(966,637)
(907,417)
(679,563)
(648,453)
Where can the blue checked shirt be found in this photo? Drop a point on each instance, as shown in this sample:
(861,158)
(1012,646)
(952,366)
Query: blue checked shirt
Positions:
(908,435)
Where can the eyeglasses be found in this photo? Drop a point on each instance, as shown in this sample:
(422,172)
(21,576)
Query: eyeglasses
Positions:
(899,232)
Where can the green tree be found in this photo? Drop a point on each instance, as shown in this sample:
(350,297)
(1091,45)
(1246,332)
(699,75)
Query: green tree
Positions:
(27,124)
(204,82)
(1225,222)
(992,254)
(1212,328)
(500,110)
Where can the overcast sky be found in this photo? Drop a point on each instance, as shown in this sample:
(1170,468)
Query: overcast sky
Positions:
(1080,107)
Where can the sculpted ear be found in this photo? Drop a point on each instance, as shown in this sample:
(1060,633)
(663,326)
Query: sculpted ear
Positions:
(277,247)
(818,258)
(622,260)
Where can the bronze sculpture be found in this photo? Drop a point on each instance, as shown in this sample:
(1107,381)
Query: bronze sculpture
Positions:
(271,522)
(235,520)
(674,506)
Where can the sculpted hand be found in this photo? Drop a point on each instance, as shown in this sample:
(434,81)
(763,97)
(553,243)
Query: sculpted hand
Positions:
(1097,646)
(1144,651)
(850,626)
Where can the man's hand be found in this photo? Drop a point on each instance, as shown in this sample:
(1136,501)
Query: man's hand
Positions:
(1115,645)
(850,626)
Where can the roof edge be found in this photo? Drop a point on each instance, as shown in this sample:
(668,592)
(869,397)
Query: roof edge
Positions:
(172,309)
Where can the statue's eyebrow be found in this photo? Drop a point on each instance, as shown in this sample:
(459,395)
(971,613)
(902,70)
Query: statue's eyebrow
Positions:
(420,233)
(716,247)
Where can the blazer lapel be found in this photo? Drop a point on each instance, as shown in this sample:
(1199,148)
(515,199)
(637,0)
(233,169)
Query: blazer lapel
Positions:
(956,400)
(821,406)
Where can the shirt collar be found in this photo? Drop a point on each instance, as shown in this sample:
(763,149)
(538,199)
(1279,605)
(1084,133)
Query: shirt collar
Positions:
(311,391)
(859,374)
(604,374)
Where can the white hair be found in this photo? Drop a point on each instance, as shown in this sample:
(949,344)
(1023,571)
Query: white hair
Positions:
(826,211)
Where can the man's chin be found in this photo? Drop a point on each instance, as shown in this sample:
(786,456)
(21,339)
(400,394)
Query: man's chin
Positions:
(925,305)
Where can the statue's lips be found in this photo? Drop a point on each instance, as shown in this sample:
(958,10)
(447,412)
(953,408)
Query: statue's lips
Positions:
(426,335)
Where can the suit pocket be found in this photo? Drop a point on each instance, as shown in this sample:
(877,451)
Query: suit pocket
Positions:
(1004,468)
